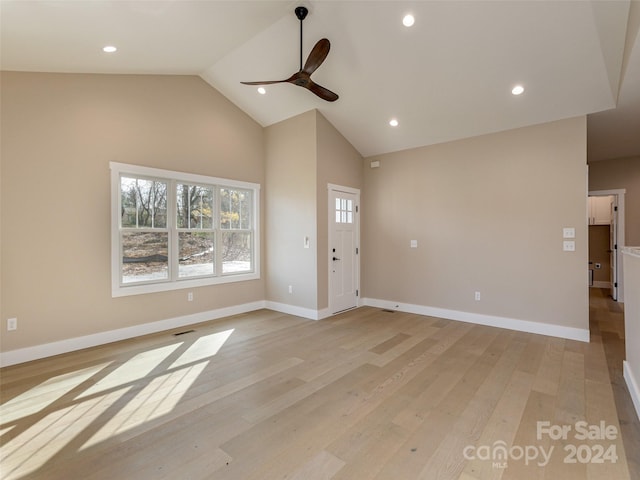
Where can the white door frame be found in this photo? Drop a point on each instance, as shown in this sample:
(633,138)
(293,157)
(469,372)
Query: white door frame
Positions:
(619,194)
(330,217)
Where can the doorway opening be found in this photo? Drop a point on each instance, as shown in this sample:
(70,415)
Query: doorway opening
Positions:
(606,239)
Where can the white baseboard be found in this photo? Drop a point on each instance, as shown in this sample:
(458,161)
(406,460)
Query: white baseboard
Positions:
(632,385)
(601,284)
(489,320)
(303,312)
(27,354)
(22,355)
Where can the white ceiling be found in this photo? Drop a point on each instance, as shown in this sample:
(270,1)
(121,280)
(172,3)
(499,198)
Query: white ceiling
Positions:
(447,77)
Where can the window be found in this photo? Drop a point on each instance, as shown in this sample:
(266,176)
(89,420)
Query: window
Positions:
(196,235)
(174,230)
(344,210)
(235,223)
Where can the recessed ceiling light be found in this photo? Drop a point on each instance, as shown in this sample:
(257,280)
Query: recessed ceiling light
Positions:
(109,49)
(517,90)
(393,122)
(262,90)
(408,20)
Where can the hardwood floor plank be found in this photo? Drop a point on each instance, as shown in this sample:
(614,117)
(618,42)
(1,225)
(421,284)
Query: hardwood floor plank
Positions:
(502,425)
(439,414)
(600,410)
(540,407)
(548,375)
(278,404)
(295,426)
(392,342)
(608,321)
(323,466)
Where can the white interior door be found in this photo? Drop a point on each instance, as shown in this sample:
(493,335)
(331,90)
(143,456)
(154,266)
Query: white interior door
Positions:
(344,252)
(613,246)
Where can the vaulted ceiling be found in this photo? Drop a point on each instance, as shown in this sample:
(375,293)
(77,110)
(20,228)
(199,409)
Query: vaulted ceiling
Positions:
(447,77)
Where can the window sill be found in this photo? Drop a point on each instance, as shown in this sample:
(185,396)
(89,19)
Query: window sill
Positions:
(142,289)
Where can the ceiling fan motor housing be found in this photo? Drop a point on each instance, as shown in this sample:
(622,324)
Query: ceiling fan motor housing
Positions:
(301,13)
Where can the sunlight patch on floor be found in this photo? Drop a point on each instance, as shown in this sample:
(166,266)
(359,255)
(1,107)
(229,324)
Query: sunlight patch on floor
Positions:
(204,347)
(51,435)
(134,393)
(155,400)
(133,370)
(39,397)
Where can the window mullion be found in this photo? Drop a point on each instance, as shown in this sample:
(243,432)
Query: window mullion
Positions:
(172,223)
(138,203)
(217,232)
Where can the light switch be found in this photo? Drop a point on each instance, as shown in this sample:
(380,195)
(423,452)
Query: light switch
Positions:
(568,232)
(306,242)
(569,246)
(414,243)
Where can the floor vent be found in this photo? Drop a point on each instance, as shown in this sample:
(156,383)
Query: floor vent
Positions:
(183,333)
(388,311)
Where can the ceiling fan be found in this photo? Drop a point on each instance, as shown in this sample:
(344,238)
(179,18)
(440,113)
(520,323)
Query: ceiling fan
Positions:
(302,78)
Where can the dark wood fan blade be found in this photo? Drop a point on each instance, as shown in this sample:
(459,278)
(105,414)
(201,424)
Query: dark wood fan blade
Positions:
(317,56)
(267,82)
(323,93)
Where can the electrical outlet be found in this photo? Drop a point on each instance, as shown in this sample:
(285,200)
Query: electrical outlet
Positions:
(290,288)
(477,296)
(12,324)
(190,297)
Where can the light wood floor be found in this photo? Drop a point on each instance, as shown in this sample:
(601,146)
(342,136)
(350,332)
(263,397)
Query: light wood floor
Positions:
(363,395)
(607,323)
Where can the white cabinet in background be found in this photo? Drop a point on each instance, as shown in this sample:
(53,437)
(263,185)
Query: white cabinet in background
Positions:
(599,210)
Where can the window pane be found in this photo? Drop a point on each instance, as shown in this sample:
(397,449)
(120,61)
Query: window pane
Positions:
(236,252)
(196,257)
(144,256)
(194,206)
(235,209)
(143,203)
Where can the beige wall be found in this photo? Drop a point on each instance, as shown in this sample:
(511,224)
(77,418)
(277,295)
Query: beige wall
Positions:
(290,152)
(59,133)
(303,155)
(339,163)
(488,214)
(618,174)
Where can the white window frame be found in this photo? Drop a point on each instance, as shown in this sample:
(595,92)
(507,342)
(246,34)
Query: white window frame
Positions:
(174,282)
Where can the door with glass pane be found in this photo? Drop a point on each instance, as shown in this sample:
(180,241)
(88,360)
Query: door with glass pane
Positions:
(343,250)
